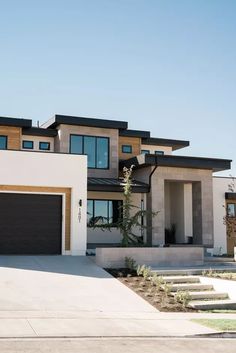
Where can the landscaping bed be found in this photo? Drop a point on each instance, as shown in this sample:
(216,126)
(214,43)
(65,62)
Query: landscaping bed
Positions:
(221,275)
(152,291)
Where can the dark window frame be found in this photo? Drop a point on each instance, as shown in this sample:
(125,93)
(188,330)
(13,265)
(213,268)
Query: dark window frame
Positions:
(28,148)
(145,151)
(112,225)
(6,142)
(159,153)
(44,149)
(83,154)
(129,146)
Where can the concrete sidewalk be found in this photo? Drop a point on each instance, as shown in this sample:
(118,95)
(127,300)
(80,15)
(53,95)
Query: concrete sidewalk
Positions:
(99,324)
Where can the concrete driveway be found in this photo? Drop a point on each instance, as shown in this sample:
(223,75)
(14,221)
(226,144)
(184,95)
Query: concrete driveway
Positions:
(62,283)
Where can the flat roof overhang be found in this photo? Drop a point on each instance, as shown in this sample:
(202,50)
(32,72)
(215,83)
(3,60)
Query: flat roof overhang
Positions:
(7,121)
(134,133)
(81,121)
(230,196)
(115,185)
(175,144)
(147,160)
(37,131)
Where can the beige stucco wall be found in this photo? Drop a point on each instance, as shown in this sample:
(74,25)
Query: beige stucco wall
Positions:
(36,140)
(62,144)
(203,200)
(113,236)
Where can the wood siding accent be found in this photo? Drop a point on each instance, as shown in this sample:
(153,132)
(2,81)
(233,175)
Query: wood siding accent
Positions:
(13,136)
(51,190)
(135,142)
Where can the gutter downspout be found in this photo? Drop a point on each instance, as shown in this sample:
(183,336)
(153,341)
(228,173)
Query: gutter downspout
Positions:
(149,204)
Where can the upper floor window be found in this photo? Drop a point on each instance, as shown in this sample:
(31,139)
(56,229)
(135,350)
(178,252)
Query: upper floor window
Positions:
(126,149)
(159,152)
(96,148)
(29,145)
(100,212)
(145,152)
(44,146)
(231,210)
(3,142)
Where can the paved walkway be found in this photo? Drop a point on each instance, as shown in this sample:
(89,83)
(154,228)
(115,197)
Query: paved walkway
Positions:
(43,296)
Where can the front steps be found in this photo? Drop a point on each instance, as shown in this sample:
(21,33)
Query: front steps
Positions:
(202,296)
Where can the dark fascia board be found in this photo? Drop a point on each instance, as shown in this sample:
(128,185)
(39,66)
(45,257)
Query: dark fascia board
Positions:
(230,195)
(81,121)
(37,131)
(135,133)
(147,160)
(7,121)
(175,144)
(117,188)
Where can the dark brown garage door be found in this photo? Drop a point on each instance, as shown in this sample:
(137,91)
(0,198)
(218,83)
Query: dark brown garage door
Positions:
(30,224)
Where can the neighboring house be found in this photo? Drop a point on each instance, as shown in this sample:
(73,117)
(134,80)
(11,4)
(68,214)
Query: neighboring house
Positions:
(224,199)
(180,188)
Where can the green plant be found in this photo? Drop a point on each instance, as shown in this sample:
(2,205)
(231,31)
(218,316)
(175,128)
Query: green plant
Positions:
(130,263)
(146,272)
(140,269)
(183,297)
(166,288)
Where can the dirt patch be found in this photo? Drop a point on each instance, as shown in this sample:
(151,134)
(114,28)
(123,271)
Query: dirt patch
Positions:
(153,294)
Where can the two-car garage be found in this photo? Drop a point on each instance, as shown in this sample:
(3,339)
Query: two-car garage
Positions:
(30,223)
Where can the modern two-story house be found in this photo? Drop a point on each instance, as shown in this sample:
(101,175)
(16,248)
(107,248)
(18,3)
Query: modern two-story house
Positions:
(50,192)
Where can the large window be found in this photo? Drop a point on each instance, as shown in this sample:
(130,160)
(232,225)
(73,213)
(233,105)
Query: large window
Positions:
(100,212)
(145,151)
(3,142)
(159,153)
(44,146)
(96,148)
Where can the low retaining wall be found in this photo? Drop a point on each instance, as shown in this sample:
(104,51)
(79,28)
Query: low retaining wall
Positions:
(169,256)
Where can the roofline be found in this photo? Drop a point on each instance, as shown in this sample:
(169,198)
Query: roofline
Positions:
(147,160)
(82,121)
(17,122)
(230,195)
(117,188)
(135,133)
(175,144)
(37,131)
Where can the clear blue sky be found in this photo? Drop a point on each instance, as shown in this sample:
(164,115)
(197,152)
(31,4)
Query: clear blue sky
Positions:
(168,66)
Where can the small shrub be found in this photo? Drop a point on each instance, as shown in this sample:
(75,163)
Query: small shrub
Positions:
(146,272)
(166,288)
(130,263)
(183,297)
(140,270)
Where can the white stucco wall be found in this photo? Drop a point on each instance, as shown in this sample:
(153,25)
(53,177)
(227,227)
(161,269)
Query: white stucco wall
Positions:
(220,187)
(52,170)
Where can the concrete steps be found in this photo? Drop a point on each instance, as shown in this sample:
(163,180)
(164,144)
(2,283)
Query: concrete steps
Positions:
(190,287)
(224,304)
(181,279)
(202,296)
(208,295)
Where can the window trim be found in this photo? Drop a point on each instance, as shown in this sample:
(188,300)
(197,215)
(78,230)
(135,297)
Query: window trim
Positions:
(44,149)
(130,146)
(159,153)
(82,154)
(6,143)
(107,200)
(28,148)
(146,152)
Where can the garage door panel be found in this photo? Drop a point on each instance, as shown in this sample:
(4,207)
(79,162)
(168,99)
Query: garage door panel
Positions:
(30,223)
